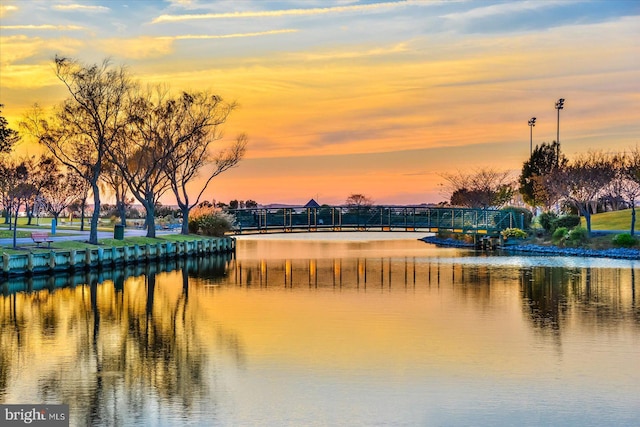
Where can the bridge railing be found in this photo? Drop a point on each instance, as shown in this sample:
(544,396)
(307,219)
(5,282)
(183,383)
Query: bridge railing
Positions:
(385,218)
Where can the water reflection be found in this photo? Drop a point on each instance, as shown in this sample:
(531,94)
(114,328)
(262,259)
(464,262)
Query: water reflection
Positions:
(110,343)
(550,294)
(317,333)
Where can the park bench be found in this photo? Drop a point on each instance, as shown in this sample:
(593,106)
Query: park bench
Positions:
(41,237)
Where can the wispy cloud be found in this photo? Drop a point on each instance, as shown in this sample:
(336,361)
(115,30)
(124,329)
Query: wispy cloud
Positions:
(4,10)
(225,36)
(43,27)
(81,7)
(501,9)
(284,12)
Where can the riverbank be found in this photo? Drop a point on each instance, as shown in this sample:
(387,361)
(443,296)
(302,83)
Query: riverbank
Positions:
(32,260)
(546,249)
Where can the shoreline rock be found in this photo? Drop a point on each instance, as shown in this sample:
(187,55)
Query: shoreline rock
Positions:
(451,243)
(616,253)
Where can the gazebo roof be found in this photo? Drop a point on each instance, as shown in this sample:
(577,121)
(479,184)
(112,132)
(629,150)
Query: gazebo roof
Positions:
(312,204)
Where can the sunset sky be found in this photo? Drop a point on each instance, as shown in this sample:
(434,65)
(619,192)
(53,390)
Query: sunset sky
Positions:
(344,96)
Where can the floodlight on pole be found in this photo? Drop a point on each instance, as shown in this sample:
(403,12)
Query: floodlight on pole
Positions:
(559,106)
(532,123)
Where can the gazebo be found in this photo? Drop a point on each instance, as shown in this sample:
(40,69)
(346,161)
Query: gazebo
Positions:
(312,204)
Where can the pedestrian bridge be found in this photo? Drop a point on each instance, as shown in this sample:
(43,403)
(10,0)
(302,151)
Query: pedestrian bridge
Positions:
(373,218)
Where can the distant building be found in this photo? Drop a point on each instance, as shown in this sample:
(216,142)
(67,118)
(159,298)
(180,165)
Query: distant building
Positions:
(312,204)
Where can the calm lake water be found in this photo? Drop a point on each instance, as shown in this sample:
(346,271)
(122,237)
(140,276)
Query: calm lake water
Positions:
(356,329)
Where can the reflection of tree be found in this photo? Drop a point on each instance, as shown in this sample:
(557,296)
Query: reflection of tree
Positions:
(12,326)
(129,343)
(169,358)
(208,268)
(596,295)
(544,290)
(636,310)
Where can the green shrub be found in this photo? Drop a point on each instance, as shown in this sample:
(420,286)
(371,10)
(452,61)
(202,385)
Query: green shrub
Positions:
(568,221)
(447,234)
(559,235)
(518,212)
(514,233)
(210,221)
(625,240)
(444,234)
(577,236)
(215,223)
(194,225)
(546,221)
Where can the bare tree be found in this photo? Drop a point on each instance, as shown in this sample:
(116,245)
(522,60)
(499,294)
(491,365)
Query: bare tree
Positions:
(6,183)
(582,181)
(627,178)
(167,142)
(86,123)
(17,190)
(116,183)
(546,194)
(357,200)
(42,172)
(188,159)
(142,152)
(481,189)
(65,189)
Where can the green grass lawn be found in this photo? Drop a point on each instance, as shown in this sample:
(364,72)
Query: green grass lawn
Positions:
(8,234)
(618,220)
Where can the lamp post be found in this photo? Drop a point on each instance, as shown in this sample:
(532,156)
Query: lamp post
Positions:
(532,123)
(559,106)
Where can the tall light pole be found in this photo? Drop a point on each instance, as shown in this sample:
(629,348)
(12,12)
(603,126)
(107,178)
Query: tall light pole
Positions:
(532,123)
(559,106)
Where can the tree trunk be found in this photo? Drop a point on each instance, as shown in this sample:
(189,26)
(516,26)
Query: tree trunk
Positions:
(150,218)
(633,219)
(122,211)
(84,202)
(93,232)
(151,288)
(15,228)
(587,218)
(29,211)
(185,219)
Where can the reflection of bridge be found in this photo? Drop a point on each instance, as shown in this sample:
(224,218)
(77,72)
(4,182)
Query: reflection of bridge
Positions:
(373,218)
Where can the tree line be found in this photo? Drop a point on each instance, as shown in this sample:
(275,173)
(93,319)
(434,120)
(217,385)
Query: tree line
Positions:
(134,140)
(548,179)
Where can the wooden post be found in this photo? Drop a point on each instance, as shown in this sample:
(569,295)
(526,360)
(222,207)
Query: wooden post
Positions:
(6,259)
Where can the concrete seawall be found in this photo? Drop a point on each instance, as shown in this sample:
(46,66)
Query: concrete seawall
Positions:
(66,260)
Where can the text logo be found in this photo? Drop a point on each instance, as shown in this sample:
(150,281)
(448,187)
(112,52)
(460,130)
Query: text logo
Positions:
(34,415)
